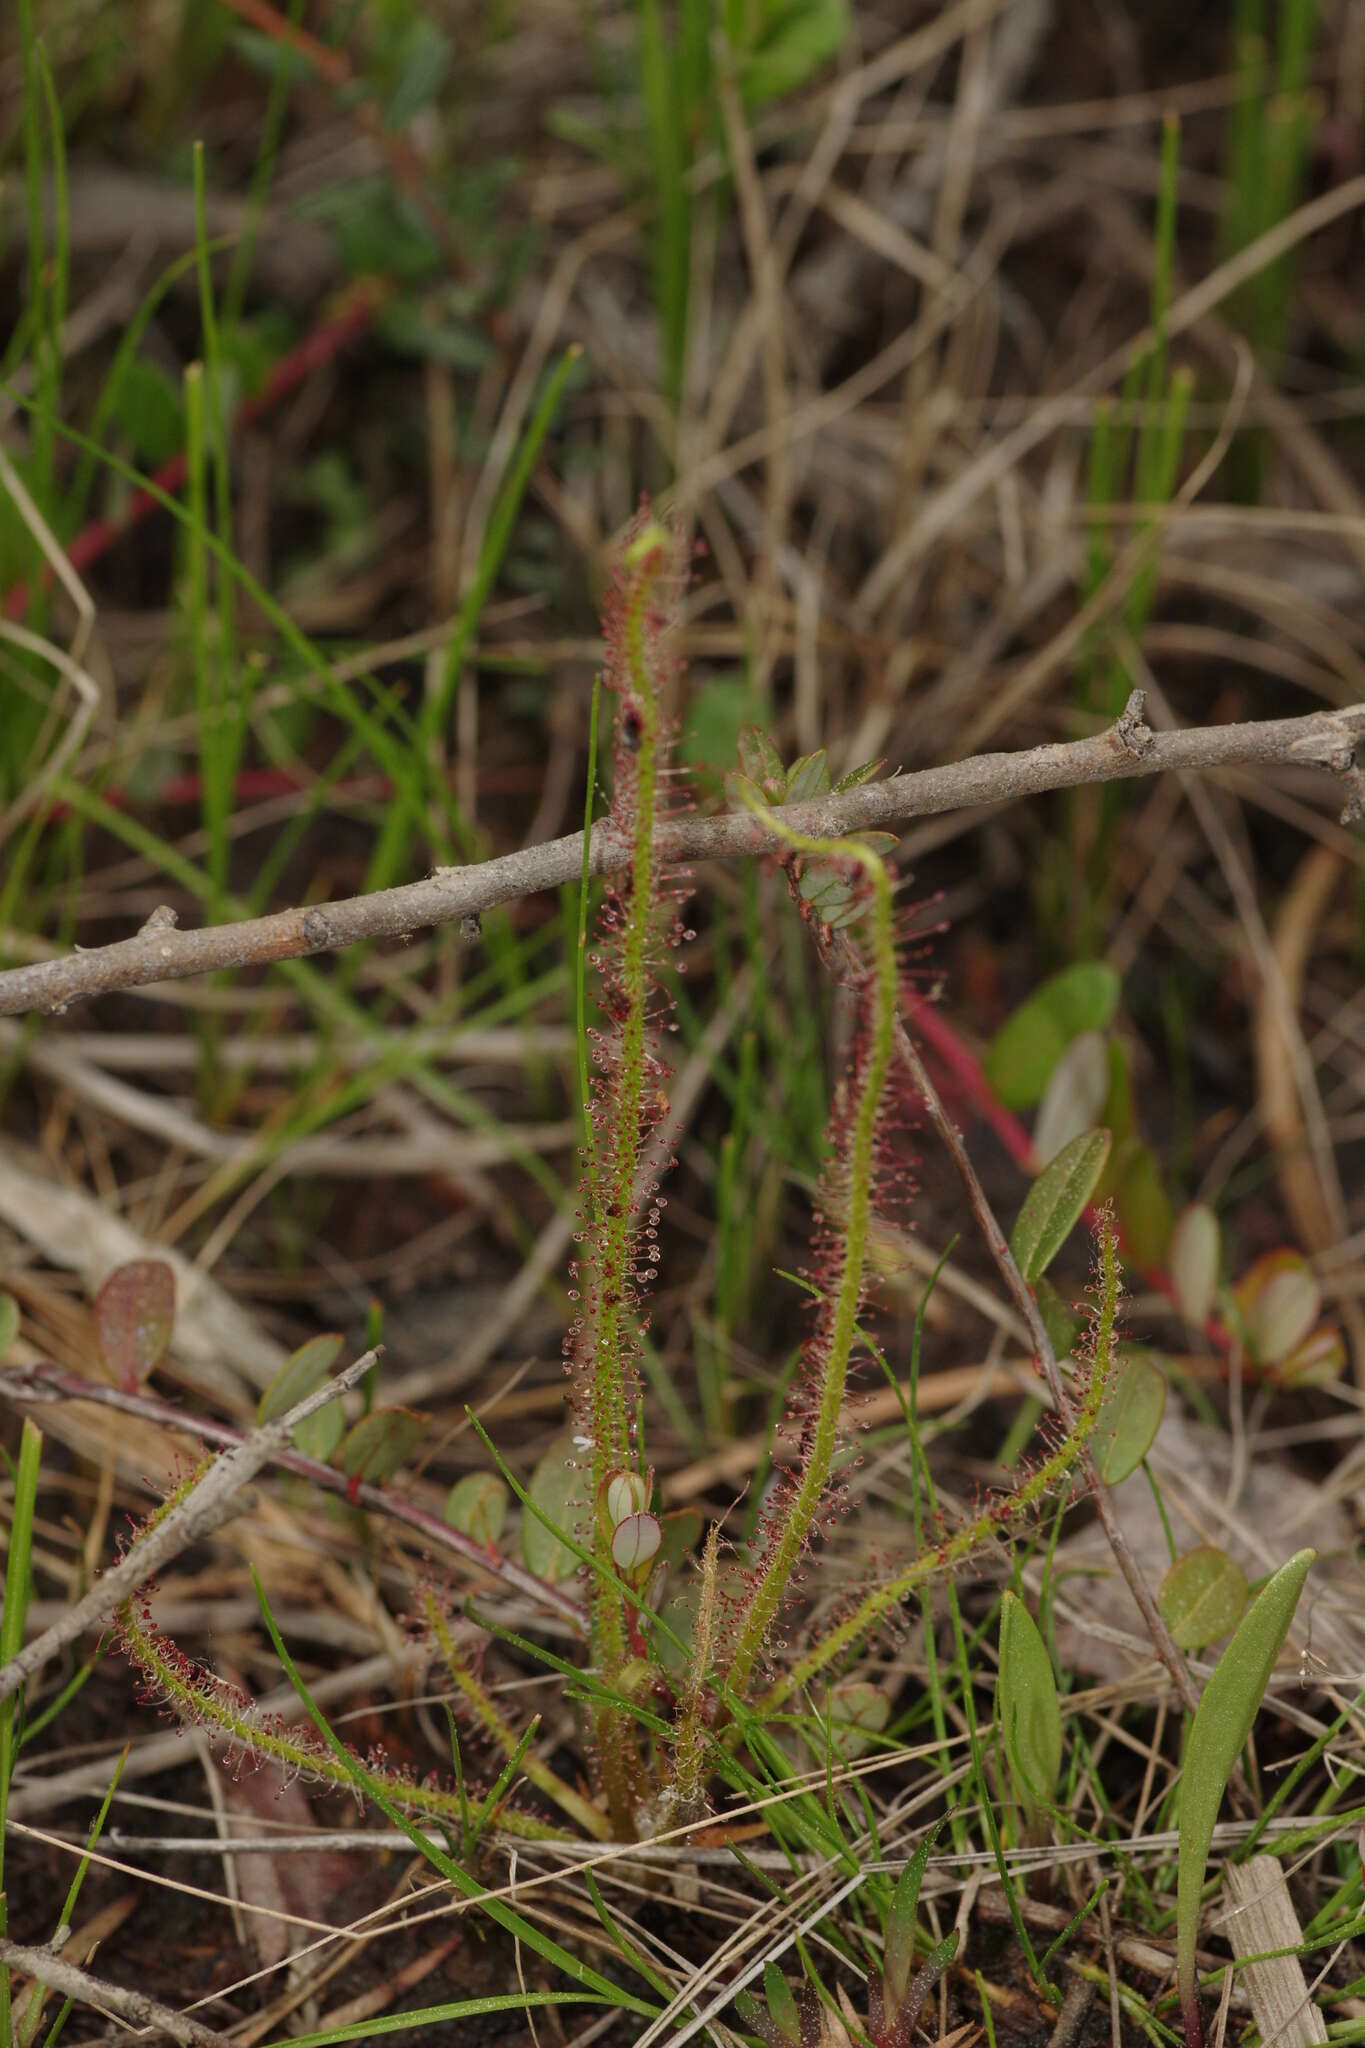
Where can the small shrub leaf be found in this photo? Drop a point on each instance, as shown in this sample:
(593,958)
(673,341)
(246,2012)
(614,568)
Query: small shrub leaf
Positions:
(635,1542)
(318,1435)
(1074,1098)
(858,1710)
(557,1489)
(808,778)
(1130,1416)
(1026,1702)
(9,1322)
(302,1372)
(477,1506)
(1202,1596)
(1062,1324)
(1055,1202)
(134,1316)
(1218,1734)
(1193,1257)
(761,762)
(1021,1057)
(1320,1359)
(1143,1204)
(1279,1301)
(374,1448)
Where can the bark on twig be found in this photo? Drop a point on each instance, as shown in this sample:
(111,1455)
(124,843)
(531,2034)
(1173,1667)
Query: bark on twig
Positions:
(49,1969)
(202,1511)
(33,1384)
(160,952)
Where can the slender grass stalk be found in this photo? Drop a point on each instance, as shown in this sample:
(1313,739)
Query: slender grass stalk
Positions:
(17,1572)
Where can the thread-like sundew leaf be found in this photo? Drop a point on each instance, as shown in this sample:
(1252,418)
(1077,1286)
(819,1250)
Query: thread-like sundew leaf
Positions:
(1055,1202)
(1217,1737)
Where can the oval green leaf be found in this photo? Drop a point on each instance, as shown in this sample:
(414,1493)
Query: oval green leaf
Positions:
(1218,1734)
(134,1315)
(1143,1204)
(1202,1596)
(1055,1201)
(302,1372)
(477,1506)
(1020,1058)
(557,1488)
(1130,1415)
(1193,1257)
(1074,1098)
(1026,1702)
(318,1435)
(379,1443)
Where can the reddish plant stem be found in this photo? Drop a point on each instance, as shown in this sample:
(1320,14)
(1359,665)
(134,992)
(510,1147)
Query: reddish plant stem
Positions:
(327,340)
(43,1382)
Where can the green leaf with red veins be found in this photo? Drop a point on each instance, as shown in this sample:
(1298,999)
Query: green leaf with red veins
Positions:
(379,1443)
(477,1506)
(134,1317)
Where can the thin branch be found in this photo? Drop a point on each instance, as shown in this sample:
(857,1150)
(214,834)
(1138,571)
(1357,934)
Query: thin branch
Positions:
(204,1509)
(46,1968)
(32,1384)
(160,952)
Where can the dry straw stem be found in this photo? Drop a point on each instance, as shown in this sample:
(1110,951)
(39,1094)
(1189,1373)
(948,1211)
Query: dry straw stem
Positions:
(204,1508)
(46,1968)
(160,952)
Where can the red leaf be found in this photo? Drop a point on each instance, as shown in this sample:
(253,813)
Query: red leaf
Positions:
(134,1316)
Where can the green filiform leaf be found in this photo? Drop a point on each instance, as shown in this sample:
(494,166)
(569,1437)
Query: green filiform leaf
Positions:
(1130,1415)
(1056,1201)
(1026,1702)
(1202,1596)
(1023,1053)
(1217,1738)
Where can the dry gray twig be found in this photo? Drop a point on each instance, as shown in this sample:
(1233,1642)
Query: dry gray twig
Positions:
(46,1968)
(160,952)
(203,1510)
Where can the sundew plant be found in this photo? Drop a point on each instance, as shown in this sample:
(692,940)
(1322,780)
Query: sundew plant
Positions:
(707,1674)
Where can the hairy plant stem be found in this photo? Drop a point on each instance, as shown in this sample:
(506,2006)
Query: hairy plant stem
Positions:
(957,1549)
(612,1167)
(789,1537)
(589,1817)
(198,1699)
